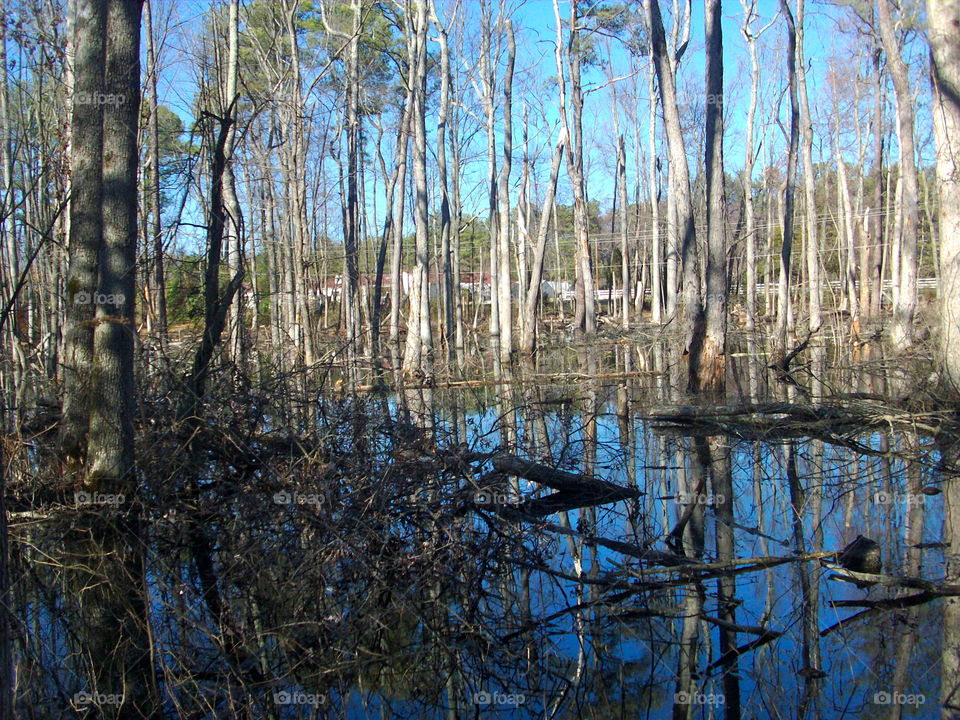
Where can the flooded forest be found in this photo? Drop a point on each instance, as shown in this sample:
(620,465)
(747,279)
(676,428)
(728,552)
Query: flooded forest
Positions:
(456,359)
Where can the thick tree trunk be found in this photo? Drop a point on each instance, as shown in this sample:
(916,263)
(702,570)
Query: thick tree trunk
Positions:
(943,17)
(86,225)
(901,331)
(110,452)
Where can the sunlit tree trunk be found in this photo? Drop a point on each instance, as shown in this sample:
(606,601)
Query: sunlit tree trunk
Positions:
(446,253)
(532,301)
(812,245)
(783,295)
(691,309)
(901,331)
(850,234)
(159,277)
(749,10)
(234,226)
(488,83)
(504,280)
(419,345)
(571,119)
(943,18)
(656,244)
(708,370)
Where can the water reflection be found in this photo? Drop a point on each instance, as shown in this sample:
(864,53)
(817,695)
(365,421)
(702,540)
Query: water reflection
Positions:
(367,569)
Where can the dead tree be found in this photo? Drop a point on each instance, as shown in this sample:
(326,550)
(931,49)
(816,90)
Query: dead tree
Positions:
(943,18)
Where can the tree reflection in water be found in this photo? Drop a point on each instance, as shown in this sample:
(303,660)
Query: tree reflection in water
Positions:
(361,557)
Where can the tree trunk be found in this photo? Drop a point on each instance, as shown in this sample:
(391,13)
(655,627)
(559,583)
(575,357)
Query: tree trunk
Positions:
(571,120)
(656,244)
(943,18)
(901,331)
(666,65)
(489,88)
(446,255)
(783,296)
(419,346)
(812,246)
(707,371)
(86,225)
(532,302)
(159,277)
(110,452)
(504,280)
(749,9)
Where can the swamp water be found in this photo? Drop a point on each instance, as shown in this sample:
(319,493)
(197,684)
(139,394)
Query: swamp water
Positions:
(383,568)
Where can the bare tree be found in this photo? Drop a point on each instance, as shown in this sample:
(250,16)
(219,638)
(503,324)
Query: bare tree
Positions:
(159,277)
(943,18)
(783,295)
(749,10)
(419,344)
(707,369)
(812,246)
(905,297)
(569,60)
(666,65)
(446,253)
(532,301)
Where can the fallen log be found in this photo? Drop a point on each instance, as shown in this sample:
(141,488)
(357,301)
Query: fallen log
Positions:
(573,490)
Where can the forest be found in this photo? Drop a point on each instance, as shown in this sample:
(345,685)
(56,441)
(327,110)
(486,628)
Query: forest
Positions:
(479,358)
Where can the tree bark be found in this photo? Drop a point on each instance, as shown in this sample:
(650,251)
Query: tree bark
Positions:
(943,18)
(571,119)
(707,371)
(532,302)
(783,295)
(110,454)
(504,280)
(419,345)
(691,308)
(812,246)
(86,224)
(901,331)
